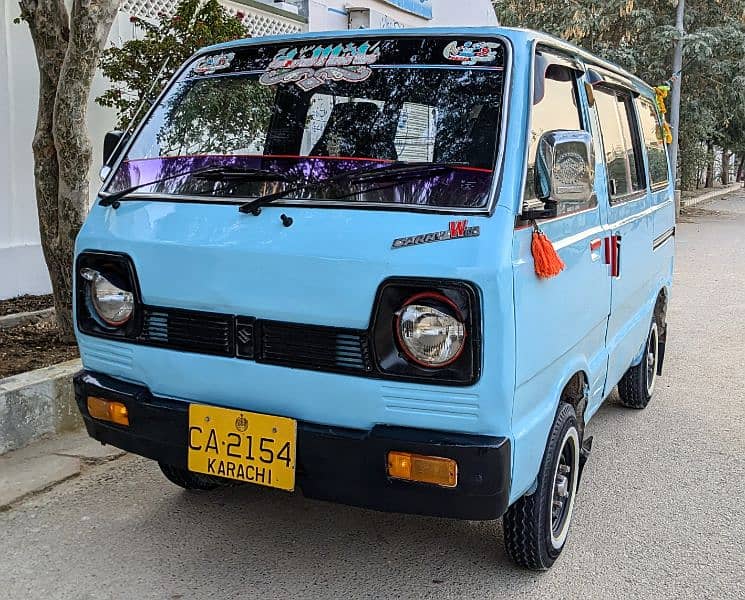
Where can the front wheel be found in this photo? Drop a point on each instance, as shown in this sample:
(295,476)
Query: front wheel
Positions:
(637,385)
(537,525)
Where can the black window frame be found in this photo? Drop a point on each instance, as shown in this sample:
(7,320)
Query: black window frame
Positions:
(654,185)
(547,57)
(626,97)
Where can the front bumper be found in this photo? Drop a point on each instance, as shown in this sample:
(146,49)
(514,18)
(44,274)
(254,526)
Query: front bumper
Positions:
(334,464)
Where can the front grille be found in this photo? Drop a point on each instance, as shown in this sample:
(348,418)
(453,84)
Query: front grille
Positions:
(270,342)
(191,331)
(314,347)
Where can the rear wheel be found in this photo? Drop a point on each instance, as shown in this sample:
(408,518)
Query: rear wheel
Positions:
(637,385)
(188,480)
(537,525)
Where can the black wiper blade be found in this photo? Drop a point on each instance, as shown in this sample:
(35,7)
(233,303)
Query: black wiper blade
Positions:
(398,168)
(238,174)
(208,173)
(411,170)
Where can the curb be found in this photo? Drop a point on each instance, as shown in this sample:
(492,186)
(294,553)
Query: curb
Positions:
(25,317)
(688,202)
(38,403)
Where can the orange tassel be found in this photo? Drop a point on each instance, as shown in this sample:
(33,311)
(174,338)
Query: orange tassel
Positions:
(546,261)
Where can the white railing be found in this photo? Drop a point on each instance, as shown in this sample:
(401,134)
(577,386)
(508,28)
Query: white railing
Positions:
(264,22)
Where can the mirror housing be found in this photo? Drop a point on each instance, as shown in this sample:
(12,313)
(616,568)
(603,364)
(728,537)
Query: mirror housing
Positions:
(113,143)
(564,172)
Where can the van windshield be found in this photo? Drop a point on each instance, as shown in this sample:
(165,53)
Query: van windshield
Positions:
(314,110)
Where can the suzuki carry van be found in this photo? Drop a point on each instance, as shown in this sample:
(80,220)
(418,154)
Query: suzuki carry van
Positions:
(311,266)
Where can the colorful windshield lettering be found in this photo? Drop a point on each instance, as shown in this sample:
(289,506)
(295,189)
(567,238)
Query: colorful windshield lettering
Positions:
(470,53)
(311,66)
(216,62)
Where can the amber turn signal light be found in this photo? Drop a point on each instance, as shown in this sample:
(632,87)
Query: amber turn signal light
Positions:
(108,410)
(425,469)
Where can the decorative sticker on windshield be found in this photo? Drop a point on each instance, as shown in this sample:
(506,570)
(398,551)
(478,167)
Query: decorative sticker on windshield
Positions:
(471,53)
(311,66)
(455,230)
(209,64)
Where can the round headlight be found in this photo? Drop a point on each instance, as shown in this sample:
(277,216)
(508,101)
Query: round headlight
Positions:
(430,330)
(113,304)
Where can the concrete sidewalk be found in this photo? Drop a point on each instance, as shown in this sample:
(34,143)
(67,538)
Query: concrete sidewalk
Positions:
(47,462)
(708,194)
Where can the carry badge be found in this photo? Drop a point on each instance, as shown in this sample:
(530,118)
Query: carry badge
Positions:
(470,53)
(455,230)
(209,64)
(311,66)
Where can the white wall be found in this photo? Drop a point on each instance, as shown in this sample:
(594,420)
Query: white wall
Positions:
(22,267)
(331,14)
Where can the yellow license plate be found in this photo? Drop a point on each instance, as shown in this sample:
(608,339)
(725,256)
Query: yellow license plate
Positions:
(242,445)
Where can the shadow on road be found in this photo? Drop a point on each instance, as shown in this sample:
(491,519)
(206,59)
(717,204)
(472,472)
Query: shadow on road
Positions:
(269,529)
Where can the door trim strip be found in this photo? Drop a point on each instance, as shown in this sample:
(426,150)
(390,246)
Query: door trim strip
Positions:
(661,239)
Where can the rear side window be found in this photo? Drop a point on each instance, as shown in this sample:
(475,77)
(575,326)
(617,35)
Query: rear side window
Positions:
(654,141)
(621,142)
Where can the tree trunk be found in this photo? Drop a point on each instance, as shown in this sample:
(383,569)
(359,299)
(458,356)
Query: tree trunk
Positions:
(709,165)
(67,52)
(90,22)
(48,22)
(741,168)
(725,166)
(687,169)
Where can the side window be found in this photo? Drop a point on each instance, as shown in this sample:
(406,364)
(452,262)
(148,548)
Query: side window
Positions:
(621,142)
(654,141)
(557,108)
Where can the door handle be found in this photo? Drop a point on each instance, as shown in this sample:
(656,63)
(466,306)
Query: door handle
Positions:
(613,254)
(617,272)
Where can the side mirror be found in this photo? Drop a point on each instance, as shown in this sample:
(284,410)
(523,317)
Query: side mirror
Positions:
(564,173)
(113,142)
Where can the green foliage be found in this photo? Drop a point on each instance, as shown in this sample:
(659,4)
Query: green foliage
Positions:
(219,115)
(133,67)
(639,35)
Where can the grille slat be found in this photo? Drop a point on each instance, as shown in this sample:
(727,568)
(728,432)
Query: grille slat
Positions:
(196,331)
(270,342)
(314,347)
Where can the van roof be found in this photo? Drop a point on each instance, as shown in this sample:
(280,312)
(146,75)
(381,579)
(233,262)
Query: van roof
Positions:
(516,35)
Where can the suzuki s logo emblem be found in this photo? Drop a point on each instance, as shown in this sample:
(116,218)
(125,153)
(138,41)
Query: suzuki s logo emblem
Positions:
(241,423)
(455,230)
(245,335)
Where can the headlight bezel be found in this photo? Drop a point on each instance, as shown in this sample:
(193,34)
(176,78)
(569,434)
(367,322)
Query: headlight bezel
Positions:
(119,270)
(390,359)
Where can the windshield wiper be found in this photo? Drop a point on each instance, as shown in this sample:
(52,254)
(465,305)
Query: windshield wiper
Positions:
(208,173)
(392,170)
(412,170)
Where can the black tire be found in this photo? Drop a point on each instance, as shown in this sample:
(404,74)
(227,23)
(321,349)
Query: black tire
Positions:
(188,480)
(535,530)
(637,385)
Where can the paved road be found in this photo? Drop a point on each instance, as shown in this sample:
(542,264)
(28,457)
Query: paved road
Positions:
(661,512)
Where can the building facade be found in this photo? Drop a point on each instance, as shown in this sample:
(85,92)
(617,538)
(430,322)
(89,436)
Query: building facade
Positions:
(22,267)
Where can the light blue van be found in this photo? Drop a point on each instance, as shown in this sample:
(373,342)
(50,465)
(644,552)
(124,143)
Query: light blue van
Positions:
(310,266)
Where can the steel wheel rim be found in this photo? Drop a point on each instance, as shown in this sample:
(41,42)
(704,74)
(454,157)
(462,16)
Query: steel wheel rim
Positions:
(564,488)
(651,356)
